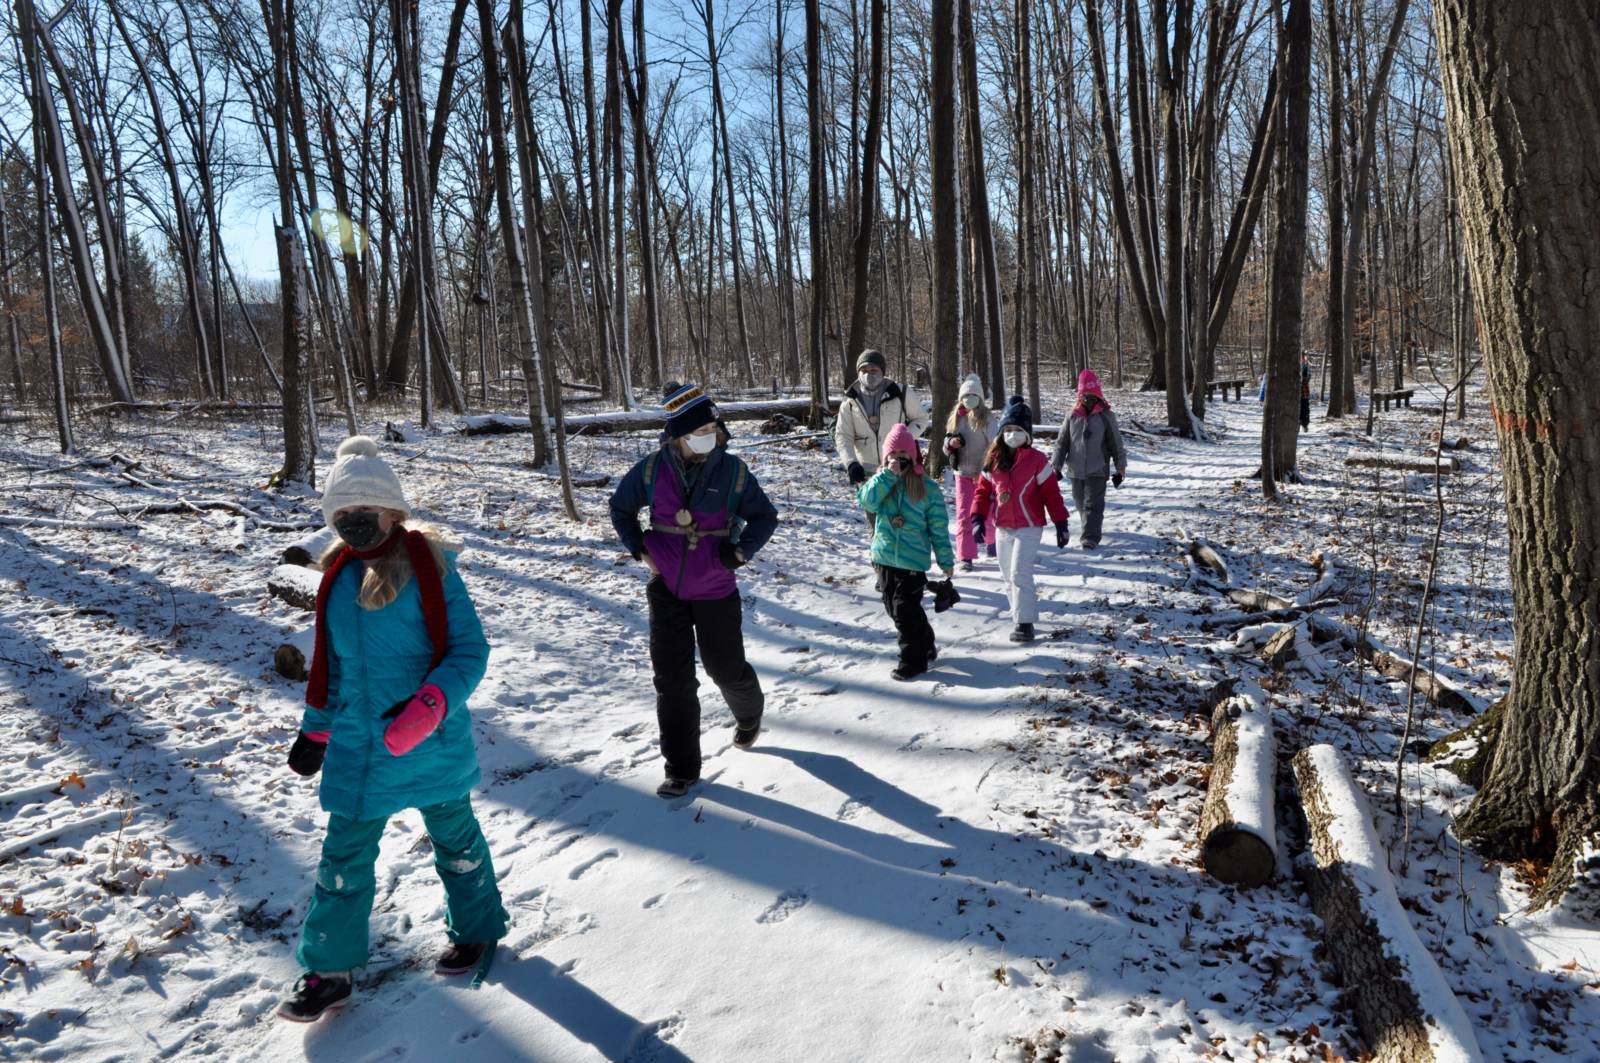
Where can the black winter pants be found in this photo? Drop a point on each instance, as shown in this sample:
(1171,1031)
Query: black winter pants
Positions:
(675,625)
(902,600)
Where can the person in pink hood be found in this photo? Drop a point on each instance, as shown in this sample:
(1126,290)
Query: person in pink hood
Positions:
(1087,449)
(911,529)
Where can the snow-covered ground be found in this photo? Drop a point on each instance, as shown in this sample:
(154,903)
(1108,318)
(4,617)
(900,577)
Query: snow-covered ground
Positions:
(994,862)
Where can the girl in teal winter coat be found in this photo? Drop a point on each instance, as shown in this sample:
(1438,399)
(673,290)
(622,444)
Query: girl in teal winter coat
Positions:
(399,650)
(911,524)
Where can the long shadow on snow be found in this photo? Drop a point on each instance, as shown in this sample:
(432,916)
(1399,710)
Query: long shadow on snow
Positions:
(451,1031)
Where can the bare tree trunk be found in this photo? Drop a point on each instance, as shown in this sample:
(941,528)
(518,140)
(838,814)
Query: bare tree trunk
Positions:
(786,241)
(946,204)
(1525,150)
(1338,341)
(13,328)
(1376,99)
(517,265)
(867,205)
(721,114)
(818,199)
(1028,239)
(35,86)
(642,186)
(992,357)
(1281,417)
(112,356)
(1170,78)
(299,448)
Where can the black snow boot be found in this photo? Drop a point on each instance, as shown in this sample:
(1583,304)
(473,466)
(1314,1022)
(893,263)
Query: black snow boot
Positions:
(745,737)
(462,957)
(671,787)
(1022,633)
(313,995)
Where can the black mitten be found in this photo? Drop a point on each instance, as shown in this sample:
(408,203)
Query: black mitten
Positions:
(1061,534)
(730,556)
(978,521)
(858,475)
(305,756)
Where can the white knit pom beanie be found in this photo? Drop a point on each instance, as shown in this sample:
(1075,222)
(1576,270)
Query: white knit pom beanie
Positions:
(360,478)
(970,386)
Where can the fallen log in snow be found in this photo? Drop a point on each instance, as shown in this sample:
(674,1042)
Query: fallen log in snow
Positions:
(308,549)
(1435,688)
(1327,573)
(641,420)
(1405,1010)
(1403,463)
(1260,601)
(295,585)
(1238,828)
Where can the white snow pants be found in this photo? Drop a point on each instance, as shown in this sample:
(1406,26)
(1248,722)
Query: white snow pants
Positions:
(1018,548)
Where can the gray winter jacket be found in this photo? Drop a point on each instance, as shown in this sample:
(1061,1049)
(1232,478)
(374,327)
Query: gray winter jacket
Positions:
(968,458)
(1088,445)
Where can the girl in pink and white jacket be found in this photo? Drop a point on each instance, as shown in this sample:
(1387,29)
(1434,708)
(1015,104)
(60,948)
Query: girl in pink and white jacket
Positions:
(968,434)
(1020,487)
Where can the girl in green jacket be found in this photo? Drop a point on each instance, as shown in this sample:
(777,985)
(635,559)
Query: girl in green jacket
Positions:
(399,650)
(911,524)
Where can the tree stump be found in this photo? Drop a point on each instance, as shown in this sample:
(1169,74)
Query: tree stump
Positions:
(295,585)
(1403,1006)
(308,549)
(1238,828)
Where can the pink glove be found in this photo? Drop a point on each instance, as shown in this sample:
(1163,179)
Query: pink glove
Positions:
(414,720)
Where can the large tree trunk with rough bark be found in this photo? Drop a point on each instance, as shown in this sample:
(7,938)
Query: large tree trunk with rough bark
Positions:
(1524,136)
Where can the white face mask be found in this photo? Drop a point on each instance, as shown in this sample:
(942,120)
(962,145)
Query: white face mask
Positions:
(1015,438)
(703,444)
(972,402)
(870,381)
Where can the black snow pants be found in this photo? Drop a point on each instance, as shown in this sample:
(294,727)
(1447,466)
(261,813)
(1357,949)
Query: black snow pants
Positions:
(902,600)
(675,626)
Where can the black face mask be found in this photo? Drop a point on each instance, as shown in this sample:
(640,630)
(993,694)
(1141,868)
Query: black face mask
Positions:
(900,465)
(359,528)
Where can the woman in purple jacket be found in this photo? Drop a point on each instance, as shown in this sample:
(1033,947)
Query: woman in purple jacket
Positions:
(708,516)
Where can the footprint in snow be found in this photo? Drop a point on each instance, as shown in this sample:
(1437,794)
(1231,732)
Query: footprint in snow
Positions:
(468,1036)
(914,743)
(593,862)
(788,902)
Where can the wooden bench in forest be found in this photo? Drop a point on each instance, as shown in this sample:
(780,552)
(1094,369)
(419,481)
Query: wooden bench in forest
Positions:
(1224,385)
(1398,396)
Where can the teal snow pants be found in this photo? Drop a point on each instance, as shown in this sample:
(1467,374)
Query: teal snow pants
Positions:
(335,934)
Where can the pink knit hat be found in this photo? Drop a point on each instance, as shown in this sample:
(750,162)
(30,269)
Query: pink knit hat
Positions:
(1088,384)
(901,439)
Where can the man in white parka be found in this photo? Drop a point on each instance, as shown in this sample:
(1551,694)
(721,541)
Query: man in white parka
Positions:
(871,406)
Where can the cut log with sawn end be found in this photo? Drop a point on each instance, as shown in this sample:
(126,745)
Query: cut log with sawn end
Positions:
(1238,825)
(295,585)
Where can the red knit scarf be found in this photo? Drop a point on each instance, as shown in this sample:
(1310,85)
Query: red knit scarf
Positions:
(429,582)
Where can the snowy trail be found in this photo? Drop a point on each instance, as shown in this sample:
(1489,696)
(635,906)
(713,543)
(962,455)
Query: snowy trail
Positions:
(994,861)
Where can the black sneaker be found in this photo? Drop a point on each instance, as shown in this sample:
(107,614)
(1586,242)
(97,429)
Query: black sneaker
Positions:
(906,671)
(745,737)
(462,957)
(1022,633)
(671,787)
(933,655)
(966,566)
(313,995)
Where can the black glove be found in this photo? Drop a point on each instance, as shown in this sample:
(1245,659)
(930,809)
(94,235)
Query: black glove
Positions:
(1061,534)
(857,474)
(977,527)
(730,556)
(305,756)
(1058,476)
(1116,479)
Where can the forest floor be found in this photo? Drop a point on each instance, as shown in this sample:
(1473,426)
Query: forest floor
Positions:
(996,861)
